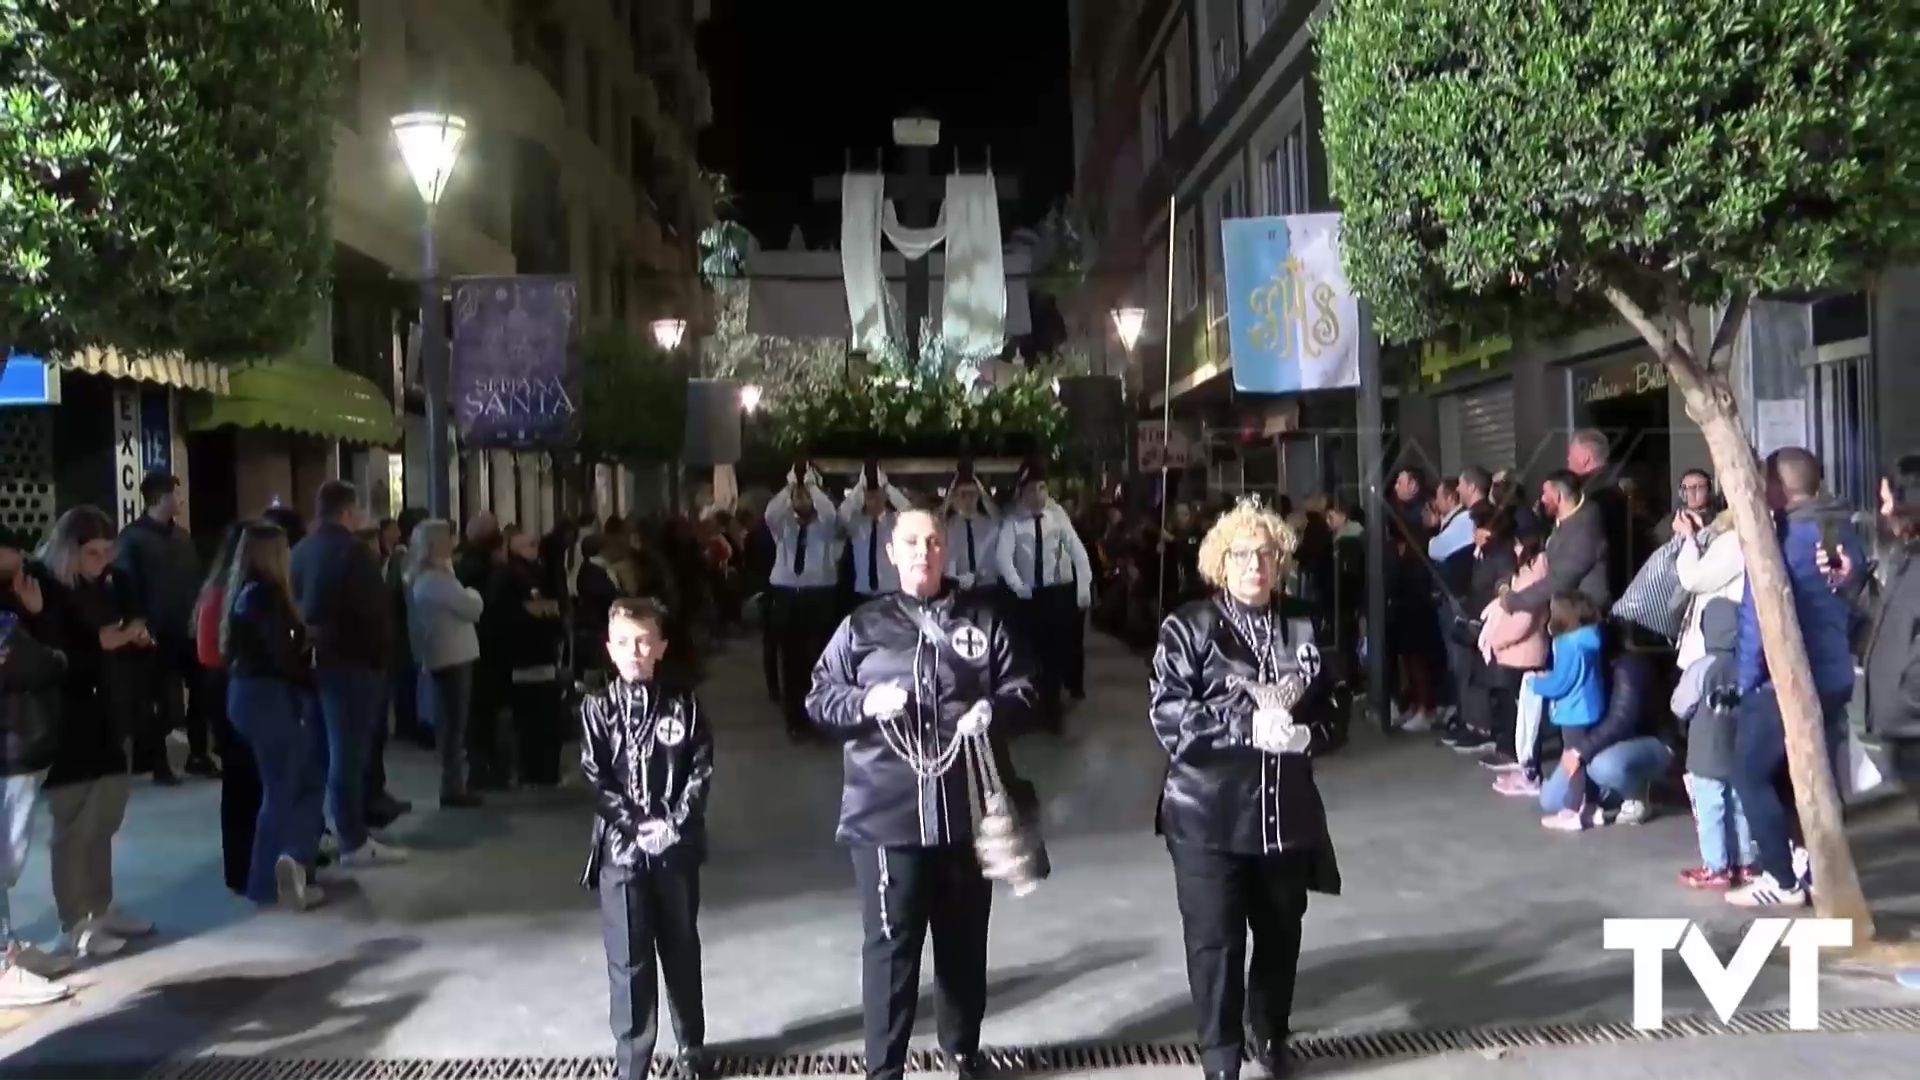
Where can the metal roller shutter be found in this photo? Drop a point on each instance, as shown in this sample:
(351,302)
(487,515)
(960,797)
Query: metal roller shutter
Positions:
(1476,428)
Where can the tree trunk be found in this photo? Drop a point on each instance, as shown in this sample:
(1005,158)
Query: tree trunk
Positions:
(1711,404)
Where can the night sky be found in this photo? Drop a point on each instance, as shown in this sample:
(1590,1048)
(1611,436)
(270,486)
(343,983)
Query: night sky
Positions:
(798,83)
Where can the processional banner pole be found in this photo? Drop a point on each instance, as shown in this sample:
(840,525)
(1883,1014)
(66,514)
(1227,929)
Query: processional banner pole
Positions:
(1166,412)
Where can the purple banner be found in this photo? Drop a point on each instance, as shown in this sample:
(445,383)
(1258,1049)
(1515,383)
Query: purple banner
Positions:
(516,371)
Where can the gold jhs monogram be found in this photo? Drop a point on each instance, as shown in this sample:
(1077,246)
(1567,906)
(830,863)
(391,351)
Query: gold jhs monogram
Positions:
(1282,306)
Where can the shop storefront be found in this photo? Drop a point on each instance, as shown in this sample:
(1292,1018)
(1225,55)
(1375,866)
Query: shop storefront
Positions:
(1472,388)
(1625,396)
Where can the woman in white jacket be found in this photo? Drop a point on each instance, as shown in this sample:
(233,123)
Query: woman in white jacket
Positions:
(1711,567)
(442,620)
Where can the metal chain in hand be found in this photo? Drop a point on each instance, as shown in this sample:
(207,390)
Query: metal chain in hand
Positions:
(911,747)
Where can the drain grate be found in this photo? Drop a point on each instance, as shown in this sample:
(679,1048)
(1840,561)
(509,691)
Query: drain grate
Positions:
(1088,1057)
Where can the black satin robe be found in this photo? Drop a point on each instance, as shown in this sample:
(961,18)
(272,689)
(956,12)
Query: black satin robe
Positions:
(883,802)
(1221,792)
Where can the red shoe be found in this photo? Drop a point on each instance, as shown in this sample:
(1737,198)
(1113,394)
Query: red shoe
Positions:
(1699,877)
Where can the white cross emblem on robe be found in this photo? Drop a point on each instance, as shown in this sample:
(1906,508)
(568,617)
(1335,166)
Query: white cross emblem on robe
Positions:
(670,730)
(970,643)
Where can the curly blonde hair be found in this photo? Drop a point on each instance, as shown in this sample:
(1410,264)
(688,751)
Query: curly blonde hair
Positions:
(1238,523)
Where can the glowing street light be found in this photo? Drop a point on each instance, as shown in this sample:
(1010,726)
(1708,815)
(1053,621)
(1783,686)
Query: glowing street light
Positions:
(750,398)
(430,145)
(1128,322)
(668,332)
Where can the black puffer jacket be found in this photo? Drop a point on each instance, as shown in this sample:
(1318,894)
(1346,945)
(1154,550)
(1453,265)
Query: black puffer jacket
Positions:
(647,753)
(1220,791)
(884,803)
(32,672)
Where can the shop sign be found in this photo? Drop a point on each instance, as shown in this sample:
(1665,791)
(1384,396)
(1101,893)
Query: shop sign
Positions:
(1162,447)
(1438,357)
(126,453)
(28,380)
(1619,381)
(156,431)
(516,370)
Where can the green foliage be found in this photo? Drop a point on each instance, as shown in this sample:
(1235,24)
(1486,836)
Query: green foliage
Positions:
(1513,155)
(724,246)
(634,397)
(164,169)
(934,415)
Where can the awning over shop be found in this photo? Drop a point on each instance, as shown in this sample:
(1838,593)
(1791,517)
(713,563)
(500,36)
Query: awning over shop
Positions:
(174,371)
(302,397)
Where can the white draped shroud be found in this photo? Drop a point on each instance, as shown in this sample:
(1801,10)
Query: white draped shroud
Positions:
(973,317)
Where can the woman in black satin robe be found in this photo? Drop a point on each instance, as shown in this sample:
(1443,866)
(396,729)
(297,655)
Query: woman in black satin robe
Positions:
(1240,812)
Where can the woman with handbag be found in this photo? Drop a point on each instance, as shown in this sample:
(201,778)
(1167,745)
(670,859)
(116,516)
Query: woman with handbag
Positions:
(924,686)
(1239,701)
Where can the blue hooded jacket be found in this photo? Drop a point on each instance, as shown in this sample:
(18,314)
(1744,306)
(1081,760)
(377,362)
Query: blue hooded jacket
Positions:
(1826,617)
(1573,689)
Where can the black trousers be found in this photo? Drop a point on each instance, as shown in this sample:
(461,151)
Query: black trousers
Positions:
(1056,631)
(770,616)
(811,616)
(488,761)
(904,892)
(168,700)
(537,734)
(650,923)
(1222,896)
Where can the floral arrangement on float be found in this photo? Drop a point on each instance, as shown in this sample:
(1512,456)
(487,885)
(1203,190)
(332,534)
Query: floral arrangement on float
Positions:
(942,406)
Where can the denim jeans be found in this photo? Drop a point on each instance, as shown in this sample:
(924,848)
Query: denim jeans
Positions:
(1760,773)
(1622,771)
(350,699)
(19,799)
(1718,818)
(276,720)
(452,698)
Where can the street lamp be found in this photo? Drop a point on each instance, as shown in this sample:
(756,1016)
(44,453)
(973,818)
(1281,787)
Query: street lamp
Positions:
(749,398)
(668,332)
(1128,322)
(430,145)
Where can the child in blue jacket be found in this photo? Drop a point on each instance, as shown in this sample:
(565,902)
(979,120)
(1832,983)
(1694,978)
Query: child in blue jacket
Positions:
(1574,689)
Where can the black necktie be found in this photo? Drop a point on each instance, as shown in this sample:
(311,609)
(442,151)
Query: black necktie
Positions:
(800,553)
(873,555)
(972,566)
(1039,558)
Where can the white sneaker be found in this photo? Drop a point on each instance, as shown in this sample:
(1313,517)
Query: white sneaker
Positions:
(292,888)
(122,925)
(91,941)
(20,988)
(1632,812)
(1566,821)
(1416,723)
(375,853)
(1764,891)
(39,961)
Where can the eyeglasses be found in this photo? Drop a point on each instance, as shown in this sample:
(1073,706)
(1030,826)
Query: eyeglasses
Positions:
(1245,557)
(1696,486)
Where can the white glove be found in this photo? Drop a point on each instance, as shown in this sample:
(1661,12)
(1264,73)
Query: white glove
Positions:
(1275,732)
(885,700)
(792,478)
(656,836)
(965,580)
(1085,600)
(976,719)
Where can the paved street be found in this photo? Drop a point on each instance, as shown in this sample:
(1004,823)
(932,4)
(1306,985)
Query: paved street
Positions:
(1460,911)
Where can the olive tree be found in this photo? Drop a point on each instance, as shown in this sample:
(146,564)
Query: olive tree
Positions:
(164,171)
(1509,159)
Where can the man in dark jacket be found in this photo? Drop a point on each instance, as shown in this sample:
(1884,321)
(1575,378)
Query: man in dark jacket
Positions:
(1576,549)
(31,672)
(159,573)
(1807,521)
(342,595)
(916,683)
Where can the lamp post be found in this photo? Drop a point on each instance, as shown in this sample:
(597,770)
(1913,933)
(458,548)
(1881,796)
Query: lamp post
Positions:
(750,398)
(1128,322)
(668,332)
(430,145)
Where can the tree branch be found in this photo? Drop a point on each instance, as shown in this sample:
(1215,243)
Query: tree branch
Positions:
(1680,332)
(1636,317)
(1730,321)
